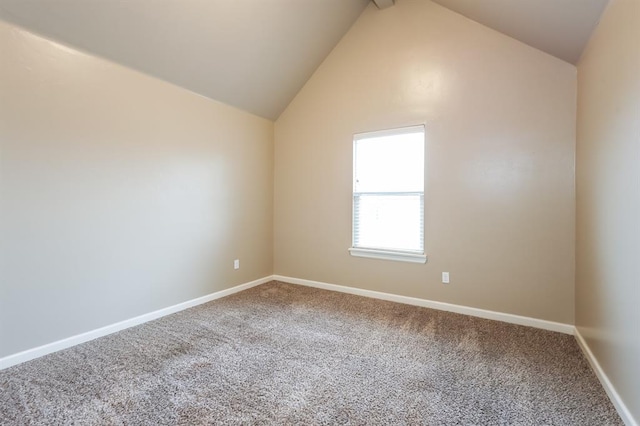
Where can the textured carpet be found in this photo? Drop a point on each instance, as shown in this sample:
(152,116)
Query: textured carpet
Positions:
(285,354)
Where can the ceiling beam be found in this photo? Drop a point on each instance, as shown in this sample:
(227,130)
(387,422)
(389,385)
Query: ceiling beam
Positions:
(383,4)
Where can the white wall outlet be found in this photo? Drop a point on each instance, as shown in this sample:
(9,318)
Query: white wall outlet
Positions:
(236,264)
(445,278)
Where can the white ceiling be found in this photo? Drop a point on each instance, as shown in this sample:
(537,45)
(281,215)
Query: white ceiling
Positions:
(252,54)
(257,54)
(558,27)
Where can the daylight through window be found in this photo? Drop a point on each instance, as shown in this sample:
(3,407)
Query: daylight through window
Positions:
(388,194)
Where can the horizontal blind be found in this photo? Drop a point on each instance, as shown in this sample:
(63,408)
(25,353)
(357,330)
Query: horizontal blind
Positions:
(389,221)
(388,196)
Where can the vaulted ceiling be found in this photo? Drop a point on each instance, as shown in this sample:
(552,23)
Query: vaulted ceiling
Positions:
(558,27)
(252,54)
(257,54)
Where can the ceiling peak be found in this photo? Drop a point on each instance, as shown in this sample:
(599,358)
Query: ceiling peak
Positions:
(383,4)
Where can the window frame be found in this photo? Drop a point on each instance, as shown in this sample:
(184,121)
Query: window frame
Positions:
(413,256)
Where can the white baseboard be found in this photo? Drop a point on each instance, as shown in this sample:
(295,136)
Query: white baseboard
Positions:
(30,354)
(68,342)
(441,306)
(622,409)
(39,351)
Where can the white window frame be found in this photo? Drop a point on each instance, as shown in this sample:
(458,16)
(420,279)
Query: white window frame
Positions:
(378,253)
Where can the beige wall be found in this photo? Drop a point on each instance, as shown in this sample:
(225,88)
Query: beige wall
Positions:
(120,194)
(608,198)
(500,122)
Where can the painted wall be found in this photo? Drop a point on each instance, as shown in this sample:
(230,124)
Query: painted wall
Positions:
(500,122)
(608,198)
(120,194)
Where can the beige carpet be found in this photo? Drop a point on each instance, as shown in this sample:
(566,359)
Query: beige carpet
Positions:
(284,354)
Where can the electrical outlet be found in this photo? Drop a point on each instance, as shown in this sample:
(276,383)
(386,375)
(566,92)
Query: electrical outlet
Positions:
(236,264)
(445,278)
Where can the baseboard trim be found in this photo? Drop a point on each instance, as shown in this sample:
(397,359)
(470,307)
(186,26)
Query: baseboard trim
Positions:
(622,409)
(441,306)
(39,351)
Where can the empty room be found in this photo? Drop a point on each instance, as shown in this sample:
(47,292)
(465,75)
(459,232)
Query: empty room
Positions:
(359,212)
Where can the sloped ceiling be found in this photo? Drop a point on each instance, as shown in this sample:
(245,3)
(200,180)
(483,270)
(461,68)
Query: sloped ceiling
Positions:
(559,27)
(252,54)
(257,54)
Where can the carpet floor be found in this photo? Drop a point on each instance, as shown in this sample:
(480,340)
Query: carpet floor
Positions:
(285,354)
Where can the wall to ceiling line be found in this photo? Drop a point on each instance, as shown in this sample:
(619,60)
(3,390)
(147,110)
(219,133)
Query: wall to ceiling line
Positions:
(500,126)
(119,194)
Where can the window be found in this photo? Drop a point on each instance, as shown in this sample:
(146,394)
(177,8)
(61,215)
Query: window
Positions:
(388,195)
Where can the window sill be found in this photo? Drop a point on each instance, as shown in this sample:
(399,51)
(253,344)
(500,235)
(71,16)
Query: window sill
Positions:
(400,256)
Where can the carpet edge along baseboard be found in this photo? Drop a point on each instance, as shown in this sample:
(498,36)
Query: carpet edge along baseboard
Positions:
(37,352)
(611,391)
(29,354)
(440,306)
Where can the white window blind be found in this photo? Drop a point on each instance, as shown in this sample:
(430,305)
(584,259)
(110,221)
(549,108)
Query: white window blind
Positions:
(388,194)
